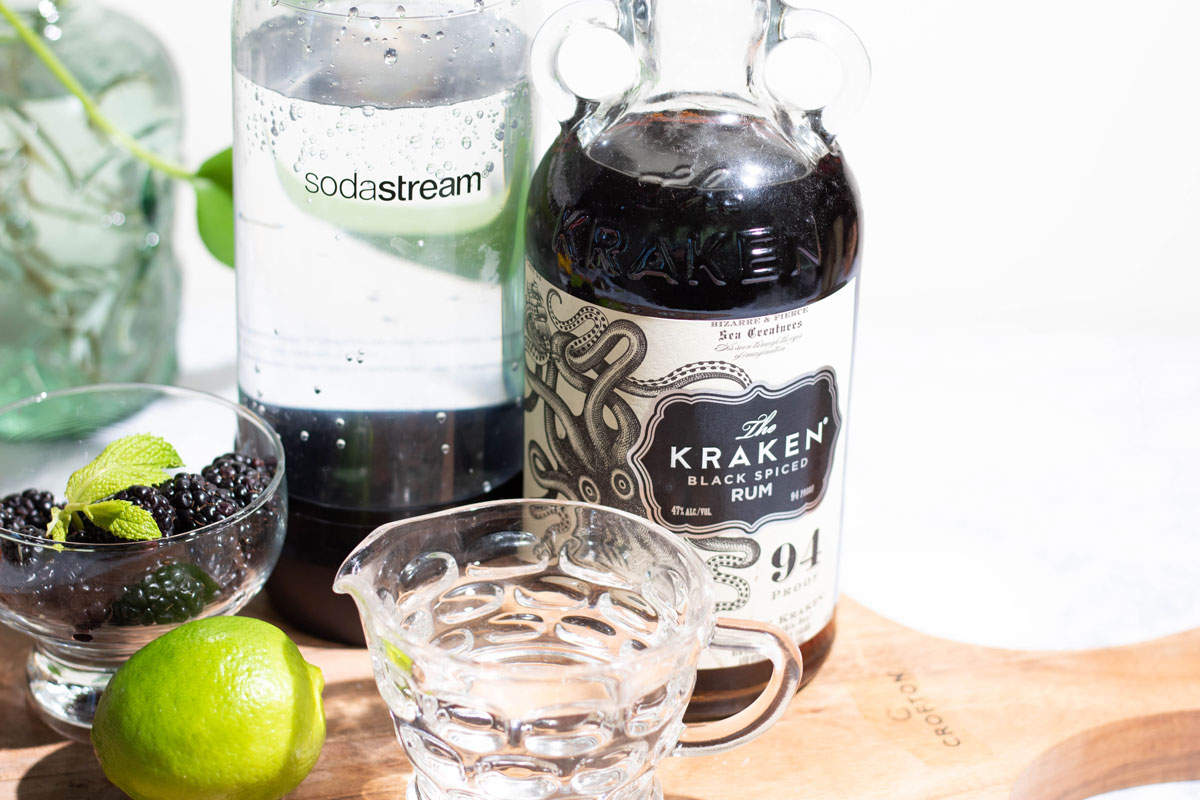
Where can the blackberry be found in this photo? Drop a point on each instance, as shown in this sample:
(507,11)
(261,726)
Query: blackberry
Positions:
(171,594)
(243,462)
(24,555)
(31,505)
(245,476)
(8,520)
(197,502)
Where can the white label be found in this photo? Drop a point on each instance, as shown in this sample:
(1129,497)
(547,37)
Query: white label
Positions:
(729,432)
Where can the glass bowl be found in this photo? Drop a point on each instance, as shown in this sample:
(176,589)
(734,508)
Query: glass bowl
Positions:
(88,607)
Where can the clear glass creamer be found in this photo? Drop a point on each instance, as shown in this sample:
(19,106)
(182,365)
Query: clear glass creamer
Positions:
(691,291)
(381,163)
(534,650)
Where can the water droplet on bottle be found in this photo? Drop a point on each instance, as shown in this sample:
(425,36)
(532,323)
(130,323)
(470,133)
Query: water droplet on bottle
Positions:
(316,390)
(439,35)
(320,3)
(500,135)
(466,143)
(400,11)
(420,242)
(441,417)
(308,49)
(487,486)
(277,331)
(339,423)
(389,56)
(368,111)
(480,3)
(376,22)
(445,449)
(340,444)
(257,369)
(304,436)
(424,38)
(366,41)
(352,13)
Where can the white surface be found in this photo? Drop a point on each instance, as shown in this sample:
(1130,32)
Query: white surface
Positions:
(1022,467)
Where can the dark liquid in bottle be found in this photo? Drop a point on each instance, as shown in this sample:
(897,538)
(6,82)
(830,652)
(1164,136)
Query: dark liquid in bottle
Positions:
(697,215)
(343,465)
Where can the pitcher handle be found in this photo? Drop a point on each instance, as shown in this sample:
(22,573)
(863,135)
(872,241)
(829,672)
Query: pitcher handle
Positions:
(543,56)
(739,636)
(807,23)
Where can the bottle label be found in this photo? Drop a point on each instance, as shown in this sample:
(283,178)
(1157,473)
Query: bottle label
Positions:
(728,432)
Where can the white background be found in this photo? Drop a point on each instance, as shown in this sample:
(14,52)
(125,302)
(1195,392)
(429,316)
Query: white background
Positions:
(1025,421)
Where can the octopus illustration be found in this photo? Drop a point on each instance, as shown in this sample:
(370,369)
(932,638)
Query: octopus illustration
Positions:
(588,357)
(738,552)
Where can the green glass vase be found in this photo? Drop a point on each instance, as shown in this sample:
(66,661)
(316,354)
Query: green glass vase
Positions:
(89,287)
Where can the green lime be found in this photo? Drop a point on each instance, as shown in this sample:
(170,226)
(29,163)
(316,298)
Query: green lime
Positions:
(224,707)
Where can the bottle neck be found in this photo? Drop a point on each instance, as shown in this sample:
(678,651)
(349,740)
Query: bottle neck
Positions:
(700,47)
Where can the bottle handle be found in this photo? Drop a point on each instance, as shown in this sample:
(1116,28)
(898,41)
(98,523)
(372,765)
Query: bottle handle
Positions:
(808,23)
(548,42)
(741,636)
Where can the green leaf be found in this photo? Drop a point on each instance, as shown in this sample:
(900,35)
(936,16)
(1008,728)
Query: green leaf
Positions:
(123,519)
(397,656)
(57,529)
(138,459)
(214,205)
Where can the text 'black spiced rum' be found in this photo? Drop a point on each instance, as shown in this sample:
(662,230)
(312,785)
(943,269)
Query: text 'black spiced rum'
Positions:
(690,307)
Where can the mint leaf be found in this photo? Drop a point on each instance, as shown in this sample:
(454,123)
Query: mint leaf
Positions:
(397,657)
(123,519)
(57,529)
(138,459)
(214,205)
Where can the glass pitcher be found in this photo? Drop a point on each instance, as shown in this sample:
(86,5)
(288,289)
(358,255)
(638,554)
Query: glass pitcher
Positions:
(534,650)
(691,291)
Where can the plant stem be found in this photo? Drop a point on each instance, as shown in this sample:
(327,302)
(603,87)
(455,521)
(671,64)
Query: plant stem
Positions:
(64,76)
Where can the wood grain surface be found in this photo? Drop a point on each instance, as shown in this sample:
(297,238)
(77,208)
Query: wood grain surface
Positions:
(894,714)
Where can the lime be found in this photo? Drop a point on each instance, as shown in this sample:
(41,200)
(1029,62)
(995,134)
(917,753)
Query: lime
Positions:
(224,707)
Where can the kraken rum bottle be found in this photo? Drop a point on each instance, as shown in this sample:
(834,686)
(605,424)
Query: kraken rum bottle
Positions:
(691,286)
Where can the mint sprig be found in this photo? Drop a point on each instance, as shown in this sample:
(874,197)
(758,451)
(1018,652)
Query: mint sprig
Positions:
(123,519)
(138,459)
(213,182)
(141,459)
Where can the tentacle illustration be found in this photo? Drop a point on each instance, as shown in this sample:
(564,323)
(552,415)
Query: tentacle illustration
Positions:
(734,553)
(592,361)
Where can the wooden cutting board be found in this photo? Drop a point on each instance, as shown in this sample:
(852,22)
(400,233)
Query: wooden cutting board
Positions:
(895,714)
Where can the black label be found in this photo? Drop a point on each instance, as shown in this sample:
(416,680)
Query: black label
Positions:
(711,461)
